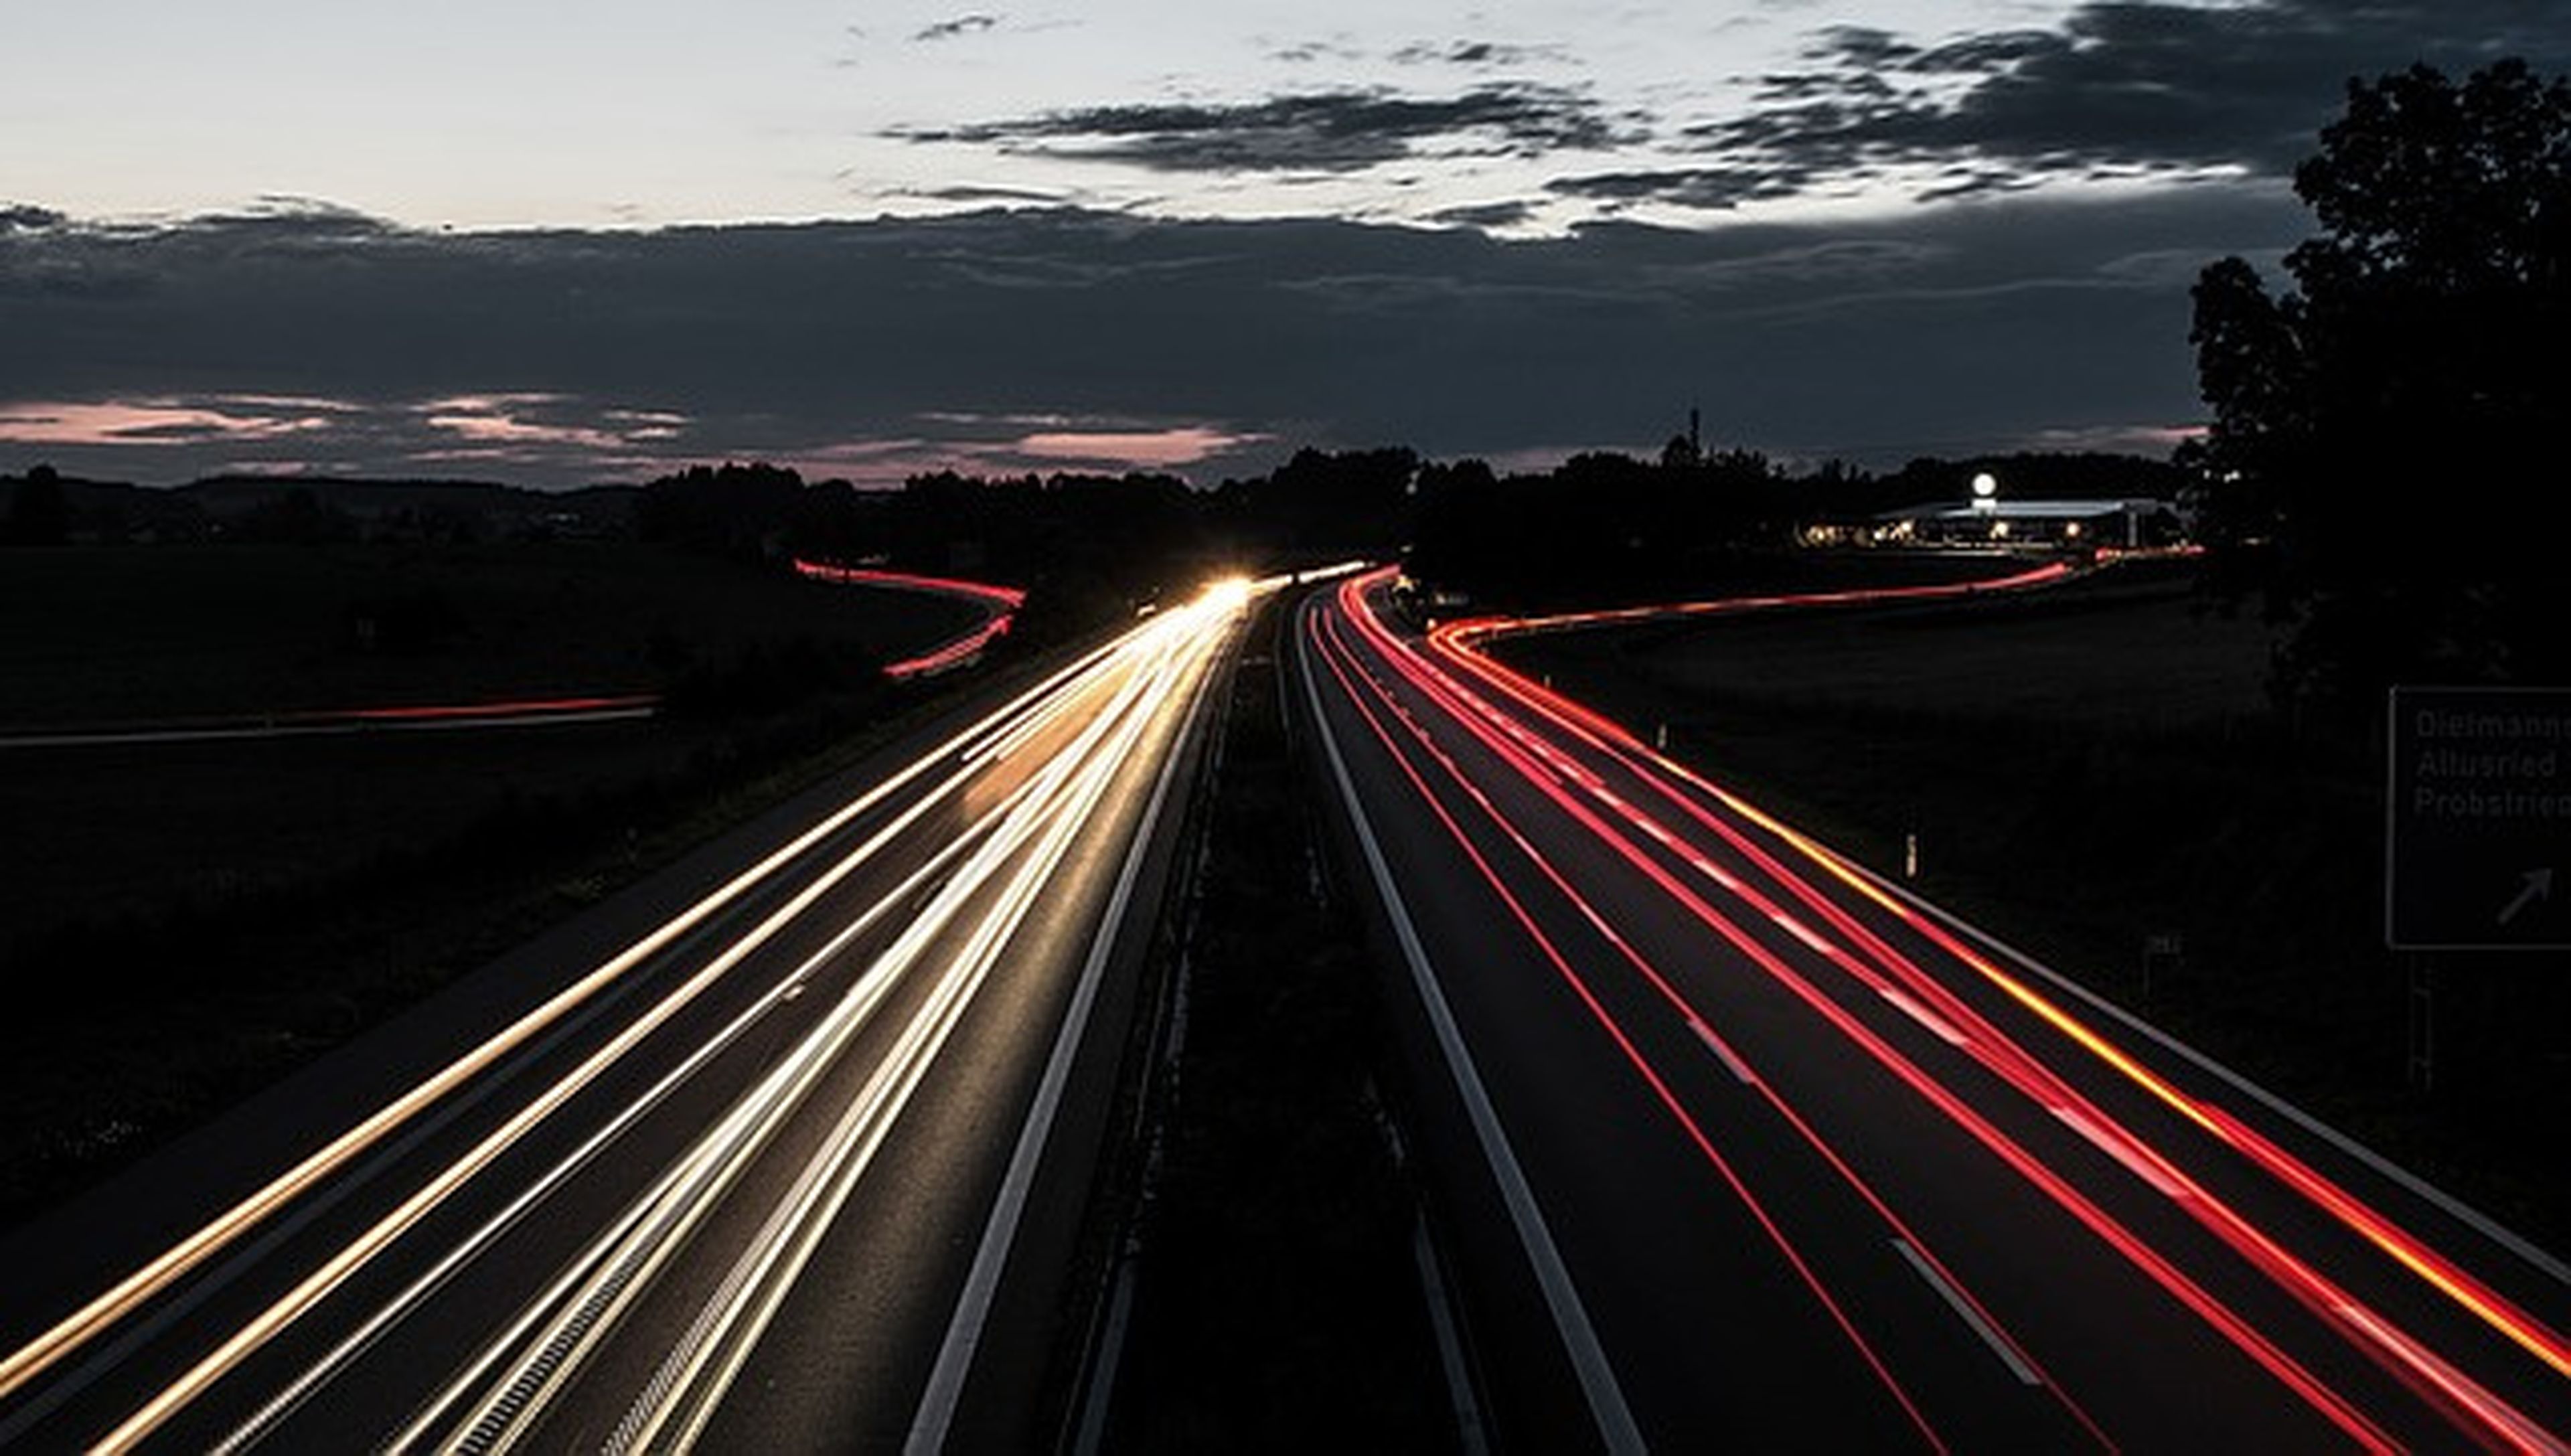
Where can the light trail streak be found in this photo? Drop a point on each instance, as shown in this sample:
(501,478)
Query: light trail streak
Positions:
(1460,706)
(701,1367)
(673,1413)
(1757,1207)
(364,1248)
(128,1294)
(529,708)
(1667,778)
(1109,664)
(2433,1378)
(348,723)
(787,988)
(998,602)
(1984,1321)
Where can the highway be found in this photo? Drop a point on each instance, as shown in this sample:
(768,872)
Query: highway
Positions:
(1742,1146)
(780,1150)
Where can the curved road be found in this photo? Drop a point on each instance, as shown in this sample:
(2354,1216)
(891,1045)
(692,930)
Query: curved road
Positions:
(1749,1149)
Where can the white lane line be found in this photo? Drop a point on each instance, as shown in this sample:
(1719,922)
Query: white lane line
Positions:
(401,1307)
(1589,1361)
(111,1307)
(1450,1344)
(1944,1029)
(936,1413)
(1804,933)
(1723,1051)
(1971,1316)
(2527,1435)
(2115,1148)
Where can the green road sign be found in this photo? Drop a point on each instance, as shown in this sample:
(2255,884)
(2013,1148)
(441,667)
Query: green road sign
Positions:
(2477,809)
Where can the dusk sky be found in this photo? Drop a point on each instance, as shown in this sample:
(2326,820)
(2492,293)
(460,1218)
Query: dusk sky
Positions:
(585,241)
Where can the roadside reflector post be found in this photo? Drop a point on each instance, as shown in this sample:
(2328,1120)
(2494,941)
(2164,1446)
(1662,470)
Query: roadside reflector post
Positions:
(1661,737)
(1910,855)
(2164,951)
(2423,1060)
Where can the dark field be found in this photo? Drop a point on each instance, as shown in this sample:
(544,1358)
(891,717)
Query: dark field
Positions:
(120,634)
(2132,653)
(140,635)
(2091,766)
(182,922)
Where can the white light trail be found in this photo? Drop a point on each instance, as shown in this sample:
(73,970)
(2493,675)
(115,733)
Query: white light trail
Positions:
(1032,825)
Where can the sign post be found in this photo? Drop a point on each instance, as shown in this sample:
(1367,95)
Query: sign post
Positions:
(2478,820)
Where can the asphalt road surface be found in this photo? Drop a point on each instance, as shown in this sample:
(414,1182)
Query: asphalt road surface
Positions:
(1746,1149)
(768,1154)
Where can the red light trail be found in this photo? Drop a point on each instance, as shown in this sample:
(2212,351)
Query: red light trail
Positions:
(1001,603)
(1564,752)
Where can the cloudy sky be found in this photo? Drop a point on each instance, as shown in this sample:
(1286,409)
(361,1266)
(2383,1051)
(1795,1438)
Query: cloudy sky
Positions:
(585,241)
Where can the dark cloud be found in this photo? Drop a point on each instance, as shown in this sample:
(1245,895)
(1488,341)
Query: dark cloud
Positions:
(1473,54)
(880,346)
(1859,45)
(2120,88)
(286,218)
(970,193)
(962,25)
(1302,53)
(1485,214)
(1308,132)
(1711,188)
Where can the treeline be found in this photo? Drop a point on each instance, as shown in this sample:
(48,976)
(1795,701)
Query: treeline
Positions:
(1085,547)
(46,508)
(1092,547)
(1606,527)
(1088,545)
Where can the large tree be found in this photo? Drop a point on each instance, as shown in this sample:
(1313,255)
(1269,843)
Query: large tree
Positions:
(2386,463)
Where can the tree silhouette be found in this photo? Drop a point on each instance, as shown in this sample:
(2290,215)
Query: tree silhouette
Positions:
(2381,461)
(39,511)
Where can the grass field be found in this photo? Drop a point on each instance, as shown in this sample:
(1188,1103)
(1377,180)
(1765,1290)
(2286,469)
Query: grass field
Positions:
(183,922)
(2124,653)
(2091,766)
(118,634)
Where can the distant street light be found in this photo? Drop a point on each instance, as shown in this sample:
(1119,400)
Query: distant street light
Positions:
(1986,492)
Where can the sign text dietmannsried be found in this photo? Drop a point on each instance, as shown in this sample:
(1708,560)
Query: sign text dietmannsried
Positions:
(2479,819)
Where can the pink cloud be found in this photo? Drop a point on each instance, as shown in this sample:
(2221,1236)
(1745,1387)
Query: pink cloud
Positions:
(500,429)
(2157,439)
(1134,449)
(143,422)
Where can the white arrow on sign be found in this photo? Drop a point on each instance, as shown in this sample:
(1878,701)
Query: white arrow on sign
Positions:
(2539,886)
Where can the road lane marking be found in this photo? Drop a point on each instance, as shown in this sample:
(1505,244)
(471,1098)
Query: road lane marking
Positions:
(2446,1202)
(936,1412)
(2114,1148)
(1806,934)
(112,1306)
(1607,1407)
(1723,1051)
(1971,1316)
(1940,1026)
(1450,1344)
